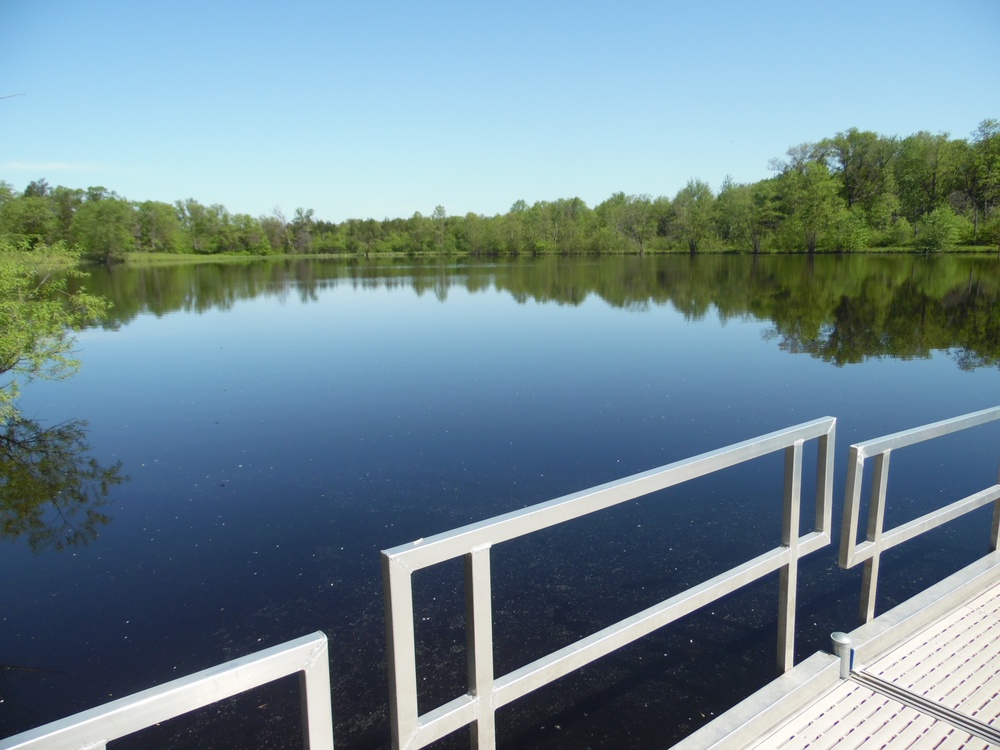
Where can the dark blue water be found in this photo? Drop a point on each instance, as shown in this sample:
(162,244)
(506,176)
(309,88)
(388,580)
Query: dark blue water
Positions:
(280,425)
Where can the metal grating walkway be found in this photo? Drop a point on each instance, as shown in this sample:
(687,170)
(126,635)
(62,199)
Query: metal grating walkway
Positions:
(852,715)
(925,675)
(954,663)
(938,689)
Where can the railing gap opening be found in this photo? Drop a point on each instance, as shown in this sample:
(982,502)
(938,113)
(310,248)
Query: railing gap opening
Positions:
(908,569)
(440,633)
(675,667)
(560,584)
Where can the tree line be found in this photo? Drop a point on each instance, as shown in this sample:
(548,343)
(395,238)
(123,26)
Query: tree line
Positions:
(854,191)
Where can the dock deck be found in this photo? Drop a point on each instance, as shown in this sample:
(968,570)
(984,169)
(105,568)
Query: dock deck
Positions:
(926,674)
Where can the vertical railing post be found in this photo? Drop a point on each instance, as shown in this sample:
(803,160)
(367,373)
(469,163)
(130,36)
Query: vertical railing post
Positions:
(852,507)
(789,573)
(876,520)
(824,482)
(479,639)
(317,715)
(401,648)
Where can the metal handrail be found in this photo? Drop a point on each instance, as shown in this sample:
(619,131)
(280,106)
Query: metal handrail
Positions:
(488,693)
(93,729)
(879,539)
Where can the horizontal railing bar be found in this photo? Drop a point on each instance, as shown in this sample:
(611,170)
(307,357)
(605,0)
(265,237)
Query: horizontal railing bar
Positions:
(926,432)
(442,721)
(559,663)
(448,545)
(911,529)
(121,717)
(812,541)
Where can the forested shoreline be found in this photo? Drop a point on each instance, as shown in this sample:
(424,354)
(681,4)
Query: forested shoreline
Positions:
(855,191)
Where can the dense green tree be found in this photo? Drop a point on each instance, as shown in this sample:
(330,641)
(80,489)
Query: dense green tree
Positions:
(205,226)
(694,214)
(37,189)
(925,172)
(986,154)
(850,230)
(938,230)
(611,234)
(746,215)
(991,230)
(572,223)
(732,207)
(624,222)
(277,231)
(481,234)
(64,203)
(811,203)
(28,220)
(159,228)
(444,240)
(512,232)
(862,161)
(635,221)
(249,237)
(105,228)
(301,228)
(797,157)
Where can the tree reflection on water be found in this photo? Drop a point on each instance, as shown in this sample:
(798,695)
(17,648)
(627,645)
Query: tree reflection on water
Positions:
(51,491)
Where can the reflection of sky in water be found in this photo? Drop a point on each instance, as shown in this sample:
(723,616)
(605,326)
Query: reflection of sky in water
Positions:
(276,447)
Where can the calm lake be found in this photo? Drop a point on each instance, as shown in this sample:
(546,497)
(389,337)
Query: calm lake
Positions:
(279,423)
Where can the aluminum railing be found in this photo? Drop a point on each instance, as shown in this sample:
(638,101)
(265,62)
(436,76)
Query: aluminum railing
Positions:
(93,729)
(487,693)
(879,539)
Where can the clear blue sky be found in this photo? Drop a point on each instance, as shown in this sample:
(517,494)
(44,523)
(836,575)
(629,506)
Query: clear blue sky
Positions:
(378,109)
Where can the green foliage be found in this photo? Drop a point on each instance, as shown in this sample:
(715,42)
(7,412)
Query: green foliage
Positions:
(986,157)
(854,190)
(159,228)
(897,235)
(861,161)
(51,492)
(37,315)
(850,230)
(938,230)
(27,220)
(924,172)
(6,192)
(991,231)
(105,227)
(694,214)
(746,215)
(630,217)
(812,205)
